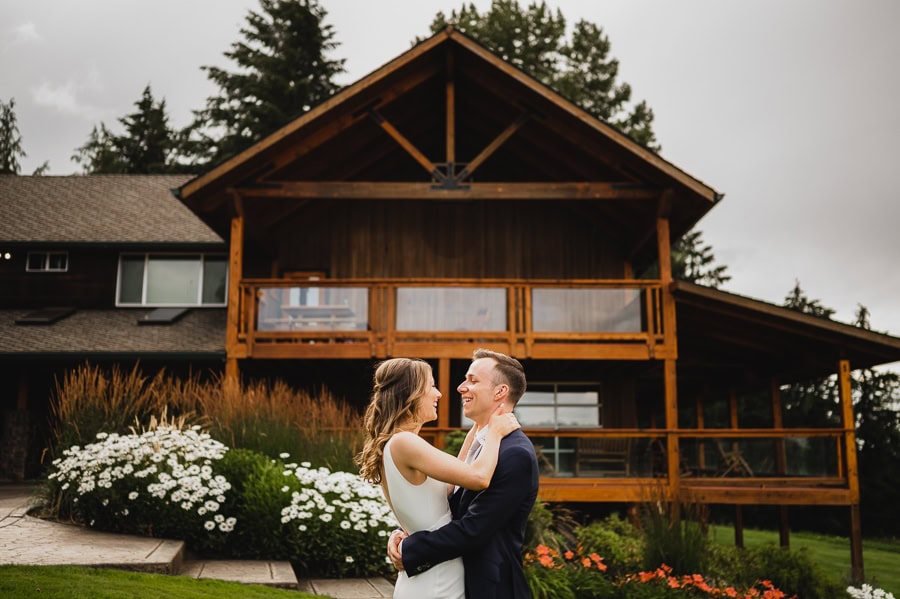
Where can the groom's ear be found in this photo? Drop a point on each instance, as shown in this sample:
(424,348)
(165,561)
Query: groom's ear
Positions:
(501,392)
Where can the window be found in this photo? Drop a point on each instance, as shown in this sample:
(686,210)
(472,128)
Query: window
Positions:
(172,280)
(47,262)
(555,406)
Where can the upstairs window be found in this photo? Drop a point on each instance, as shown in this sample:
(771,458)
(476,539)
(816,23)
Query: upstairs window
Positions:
(47,262)
(172,280)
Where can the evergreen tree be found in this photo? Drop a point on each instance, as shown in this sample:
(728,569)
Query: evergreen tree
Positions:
(147,147)
(798,300)
(579,68)
(282,71)
(10,140)
(100,154)
(876,396)
(693,261)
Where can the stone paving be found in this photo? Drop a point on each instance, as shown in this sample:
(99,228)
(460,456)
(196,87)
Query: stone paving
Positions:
(25,540)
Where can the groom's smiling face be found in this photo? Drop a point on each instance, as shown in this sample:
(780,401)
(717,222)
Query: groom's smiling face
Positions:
(478,391)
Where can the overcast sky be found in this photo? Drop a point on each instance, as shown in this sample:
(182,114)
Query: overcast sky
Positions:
(791,108)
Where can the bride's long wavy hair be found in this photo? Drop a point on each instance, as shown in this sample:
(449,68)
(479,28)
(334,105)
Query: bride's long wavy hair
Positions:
(398,385)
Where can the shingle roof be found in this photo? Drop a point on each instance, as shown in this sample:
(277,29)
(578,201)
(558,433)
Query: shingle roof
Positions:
(114,331)
(98,209)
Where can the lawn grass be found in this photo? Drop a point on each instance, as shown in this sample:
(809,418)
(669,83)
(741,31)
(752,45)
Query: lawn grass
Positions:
(881,558)
(71,582)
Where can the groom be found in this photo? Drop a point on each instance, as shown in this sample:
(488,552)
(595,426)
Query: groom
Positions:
(488,526)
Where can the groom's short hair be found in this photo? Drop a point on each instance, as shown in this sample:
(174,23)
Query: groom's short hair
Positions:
(508,369)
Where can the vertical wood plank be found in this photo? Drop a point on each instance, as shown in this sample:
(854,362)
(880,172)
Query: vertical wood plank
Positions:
(451,109)
(443,383)
(784,529)
(849,424)
(235,263)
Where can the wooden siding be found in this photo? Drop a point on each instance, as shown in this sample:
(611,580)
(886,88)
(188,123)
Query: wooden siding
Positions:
(356,239)
(89,282)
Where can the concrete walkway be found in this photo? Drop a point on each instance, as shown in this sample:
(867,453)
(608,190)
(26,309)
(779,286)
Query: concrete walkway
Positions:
(25,540)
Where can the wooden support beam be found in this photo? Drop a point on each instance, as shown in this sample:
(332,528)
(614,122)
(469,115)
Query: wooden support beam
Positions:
(444,404)
(451,108)
(367,190)
(664,252)
(849,423)
(492,147)
(235,264)
(701,424)
(671,405)
(738,527)
(404,143)
(784,529)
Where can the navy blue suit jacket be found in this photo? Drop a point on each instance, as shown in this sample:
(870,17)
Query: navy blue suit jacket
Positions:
(488,527)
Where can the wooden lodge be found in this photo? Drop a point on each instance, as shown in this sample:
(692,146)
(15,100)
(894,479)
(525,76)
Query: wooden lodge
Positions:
(449,201)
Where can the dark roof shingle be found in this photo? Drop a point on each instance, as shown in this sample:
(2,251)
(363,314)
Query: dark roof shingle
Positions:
(116,331)
(98,209)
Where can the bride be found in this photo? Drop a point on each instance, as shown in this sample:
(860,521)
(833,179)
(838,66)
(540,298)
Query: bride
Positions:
(416,477)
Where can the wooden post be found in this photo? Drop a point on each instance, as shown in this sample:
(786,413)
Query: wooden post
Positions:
(235,264)
(784,531)
(669,370)
(849,424)
(738,527)
(451,109)
(701,423)
(444,404)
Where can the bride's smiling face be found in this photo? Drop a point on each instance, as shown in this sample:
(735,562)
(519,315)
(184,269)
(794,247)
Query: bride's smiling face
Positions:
(427,409)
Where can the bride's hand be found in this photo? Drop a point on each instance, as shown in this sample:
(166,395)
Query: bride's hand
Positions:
(503,422)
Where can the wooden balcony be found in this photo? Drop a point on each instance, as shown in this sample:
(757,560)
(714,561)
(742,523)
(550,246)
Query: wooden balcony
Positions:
(784,466)
(436,318)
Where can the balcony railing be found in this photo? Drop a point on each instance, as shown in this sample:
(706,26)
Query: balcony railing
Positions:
(781,466)
(442,318)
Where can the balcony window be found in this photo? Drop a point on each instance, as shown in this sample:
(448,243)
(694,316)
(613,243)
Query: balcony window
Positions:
(451,309)
(172,280)
(586,310)
(311,308)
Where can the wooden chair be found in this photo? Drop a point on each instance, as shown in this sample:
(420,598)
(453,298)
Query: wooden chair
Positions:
(603,457)
(732,462)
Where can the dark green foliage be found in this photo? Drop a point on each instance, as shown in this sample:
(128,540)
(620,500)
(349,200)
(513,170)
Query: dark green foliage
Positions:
(579,68)
(10,140)
(674,535)
(620,544)
(453,442)
(283,70)
(793,572)
(147,146)
(693,261)
(799,301)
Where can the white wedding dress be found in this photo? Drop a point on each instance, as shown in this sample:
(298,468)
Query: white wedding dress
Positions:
(423,507)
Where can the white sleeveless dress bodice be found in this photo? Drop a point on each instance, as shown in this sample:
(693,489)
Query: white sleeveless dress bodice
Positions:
(423,507)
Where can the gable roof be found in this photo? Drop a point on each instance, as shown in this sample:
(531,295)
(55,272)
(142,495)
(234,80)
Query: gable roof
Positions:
(326,143)
(117,209)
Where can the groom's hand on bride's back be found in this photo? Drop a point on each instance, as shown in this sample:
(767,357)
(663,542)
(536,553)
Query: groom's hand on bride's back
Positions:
(394,550)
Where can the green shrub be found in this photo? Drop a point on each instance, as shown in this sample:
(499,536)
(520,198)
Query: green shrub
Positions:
(616,540)
(793,571)
(673,535)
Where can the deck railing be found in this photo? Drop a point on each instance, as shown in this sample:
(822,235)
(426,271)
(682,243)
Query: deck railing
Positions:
(438,318)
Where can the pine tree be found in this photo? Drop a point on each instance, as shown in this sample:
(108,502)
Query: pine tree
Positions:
(693,261)
(877,411)
(10,140)
(282,71)
(147,147)
(798,300)
(580,68)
